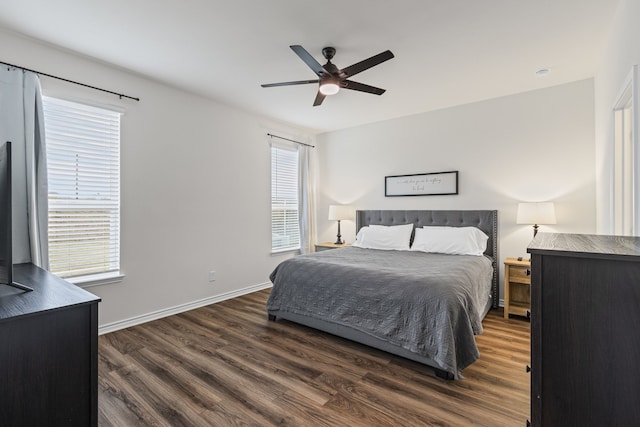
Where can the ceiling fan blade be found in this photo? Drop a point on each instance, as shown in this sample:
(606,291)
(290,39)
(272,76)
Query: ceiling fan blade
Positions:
(348,84)
(319,98)
(309,60)
(359,67)
(299,82)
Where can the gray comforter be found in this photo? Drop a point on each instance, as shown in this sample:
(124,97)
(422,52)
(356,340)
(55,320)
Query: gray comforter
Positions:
(428,304)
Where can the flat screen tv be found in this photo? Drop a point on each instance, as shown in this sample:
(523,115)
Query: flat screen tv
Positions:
(6,242)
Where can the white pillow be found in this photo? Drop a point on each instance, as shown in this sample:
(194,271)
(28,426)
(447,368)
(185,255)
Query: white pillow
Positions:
(360,236)
(395,237)
(450,240)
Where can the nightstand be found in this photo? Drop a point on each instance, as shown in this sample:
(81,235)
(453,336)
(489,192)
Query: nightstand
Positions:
(517,284)
(329,245)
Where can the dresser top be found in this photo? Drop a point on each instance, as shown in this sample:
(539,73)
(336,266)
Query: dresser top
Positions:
(49,293)
(586,245)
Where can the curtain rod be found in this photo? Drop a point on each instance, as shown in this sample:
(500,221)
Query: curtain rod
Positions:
(291,140)
(71,81)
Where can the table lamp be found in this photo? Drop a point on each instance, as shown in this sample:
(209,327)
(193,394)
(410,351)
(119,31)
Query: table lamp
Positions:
(536,213)
(339,213)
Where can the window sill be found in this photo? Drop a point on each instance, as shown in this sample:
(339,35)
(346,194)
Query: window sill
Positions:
(284,251)
(96,279)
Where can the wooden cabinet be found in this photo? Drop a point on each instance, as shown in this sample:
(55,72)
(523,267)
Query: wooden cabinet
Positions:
(48,352)
(328,245)
(517,281)
(585,344)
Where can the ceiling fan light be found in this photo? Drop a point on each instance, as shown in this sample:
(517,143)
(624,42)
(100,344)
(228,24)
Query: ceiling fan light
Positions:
(329,88)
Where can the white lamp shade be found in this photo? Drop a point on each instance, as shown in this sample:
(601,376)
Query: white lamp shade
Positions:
(536,213)
(341,212)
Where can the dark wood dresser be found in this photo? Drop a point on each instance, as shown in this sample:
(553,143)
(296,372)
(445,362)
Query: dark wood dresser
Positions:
(585,330)
(48,352)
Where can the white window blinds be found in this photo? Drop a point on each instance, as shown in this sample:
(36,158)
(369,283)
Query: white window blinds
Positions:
(83,157)
(285,228)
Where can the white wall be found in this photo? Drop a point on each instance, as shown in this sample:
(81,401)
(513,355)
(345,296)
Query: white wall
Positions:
(195,174)
(195,186)
(621,53)
(533,146)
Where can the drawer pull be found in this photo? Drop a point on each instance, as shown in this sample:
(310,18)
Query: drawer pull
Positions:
(528,314)
(528,369)
(527,272)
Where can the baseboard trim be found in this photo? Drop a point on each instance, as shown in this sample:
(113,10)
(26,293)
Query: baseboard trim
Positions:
(159,314)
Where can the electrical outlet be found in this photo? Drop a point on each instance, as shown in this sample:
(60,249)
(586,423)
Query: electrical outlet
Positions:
(212,276)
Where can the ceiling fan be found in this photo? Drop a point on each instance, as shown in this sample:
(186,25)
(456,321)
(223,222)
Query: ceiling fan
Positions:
(330,78)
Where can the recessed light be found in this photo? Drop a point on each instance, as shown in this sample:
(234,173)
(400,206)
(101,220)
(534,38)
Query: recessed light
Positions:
(543,72)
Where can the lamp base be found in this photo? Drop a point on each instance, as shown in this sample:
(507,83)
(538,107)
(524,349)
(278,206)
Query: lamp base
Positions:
(339,239)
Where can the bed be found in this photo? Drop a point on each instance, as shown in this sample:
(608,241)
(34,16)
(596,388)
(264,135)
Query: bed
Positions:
(426,307)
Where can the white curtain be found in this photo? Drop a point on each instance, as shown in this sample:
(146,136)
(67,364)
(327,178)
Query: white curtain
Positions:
(306,199)
(22,123)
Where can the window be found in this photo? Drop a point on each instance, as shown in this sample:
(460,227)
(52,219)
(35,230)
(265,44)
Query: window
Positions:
(83,159)
(625,166)
(285,229)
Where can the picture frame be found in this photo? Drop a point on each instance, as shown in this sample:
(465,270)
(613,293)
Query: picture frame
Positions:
(423,184)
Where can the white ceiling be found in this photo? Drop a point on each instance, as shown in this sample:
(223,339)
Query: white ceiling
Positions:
(446,52)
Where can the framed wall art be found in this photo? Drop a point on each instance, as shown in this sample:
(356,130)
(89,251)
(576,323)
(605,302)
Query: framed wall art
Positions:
(424,184)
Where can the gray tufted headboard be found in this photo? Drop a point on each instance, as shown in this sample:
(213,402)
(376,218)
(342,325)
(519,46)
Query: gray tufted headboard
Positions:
(485,220)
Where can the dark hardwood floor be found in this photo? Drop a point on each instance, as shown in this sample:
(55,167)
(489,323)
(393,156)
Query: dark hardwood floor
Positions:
(227,365)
